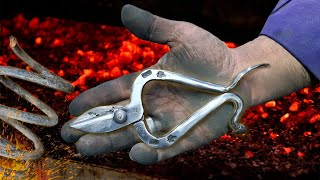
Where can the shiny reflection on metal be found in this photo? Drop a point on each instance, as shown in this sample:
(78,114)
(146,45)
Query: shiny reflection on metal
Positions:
(135,113)
(175,134)
(97,120)
(120,116)
(12,116)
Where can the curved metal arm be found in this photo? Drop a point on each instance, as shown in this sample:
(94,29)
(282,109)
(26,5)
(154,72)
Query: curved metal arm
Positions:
(96,121)
(175,134)
(135,109)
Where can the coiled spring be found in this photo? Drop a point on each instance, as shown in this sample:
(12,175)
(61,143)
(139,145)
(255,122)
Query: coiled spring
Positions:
(13,116)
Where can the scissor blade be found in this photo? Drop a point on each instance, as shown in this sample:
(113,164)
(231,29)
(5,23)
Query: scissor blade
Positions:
(97,120)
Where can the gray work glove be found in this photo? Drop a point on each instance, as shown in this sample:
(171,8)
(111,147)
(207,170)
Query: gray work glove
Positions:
(196,53)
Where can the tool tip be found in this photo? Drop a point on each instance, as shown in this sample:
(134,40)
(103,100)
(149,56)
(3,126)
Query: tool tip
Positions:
(75,125)
(13,41)
(264,65)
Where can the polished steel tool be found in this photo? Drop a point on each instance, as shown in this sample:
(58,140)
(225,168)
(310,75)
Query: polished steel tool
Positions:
(105,119)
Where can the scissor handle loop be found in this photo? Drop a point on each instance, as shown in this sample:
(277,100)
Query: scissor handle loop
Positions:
(175,134)
(171,137)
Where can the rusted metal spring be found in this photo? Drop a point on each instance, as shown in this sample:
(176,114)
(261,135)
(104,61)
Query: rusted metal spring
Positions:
(12,116)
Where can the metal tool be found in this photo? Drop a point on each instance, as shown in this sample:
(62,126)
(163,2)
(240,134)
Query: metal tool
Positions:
(110,118)
(12,116)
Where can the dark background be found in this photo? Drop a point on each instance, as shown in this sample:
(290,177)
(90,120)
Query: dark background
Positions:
(230,20)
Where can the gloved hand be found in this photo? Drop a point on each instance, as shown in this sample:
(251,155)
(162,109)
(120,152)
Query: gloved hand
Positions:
(196,53)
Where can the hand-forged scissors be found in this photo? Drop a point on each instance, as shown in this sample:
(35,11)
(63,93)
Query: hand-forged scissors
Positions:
(105,119)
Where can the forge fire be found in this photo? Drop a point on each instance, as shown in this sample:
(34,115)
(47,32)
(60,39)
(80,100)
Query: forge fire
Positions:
(283,137)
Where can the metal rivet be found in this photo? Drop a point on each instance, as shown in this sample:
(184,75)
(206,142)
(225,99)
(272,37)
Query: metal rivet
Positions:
(146,74)
(171,138)
(154,141)
(120,116)
(161,74)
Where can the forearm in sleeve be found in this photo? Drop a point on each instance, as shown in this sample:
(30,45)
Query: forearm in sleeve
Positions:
(295,24)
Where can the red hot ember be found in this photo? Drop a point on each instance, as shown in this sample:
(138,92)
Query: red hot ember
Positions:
(283,136)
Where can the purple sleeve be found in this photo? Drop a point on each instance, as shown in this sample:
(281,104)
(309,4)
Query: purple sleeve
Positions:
(295,24)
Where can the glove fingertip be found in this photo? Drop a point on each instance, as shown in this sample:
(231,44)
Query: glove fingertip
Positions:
(137,20)
(143,154)
(125,10)
(73,109)
(83,102)
(69,134)
(93,144)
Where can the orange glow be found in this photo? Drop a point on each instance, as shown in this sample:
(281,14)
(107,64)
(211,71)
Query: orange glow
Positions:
(80,52)
(81,81)
(116,72)
(58,93)
(28,68)
(34,23)
(270,104)
(274,135)
(15,165)
(38,40)
(287,150)
(9,167)
(300,154)
(226,136)
(137,66)
(307,133)
(61,73)
(284,117)
(125,57)
(315,118)
(260,108)
(124,72)
(307,101)
(305,90)
(264,115)
(231,45)
(294,106)
(148,55)
(249,154)
(73,95)
(57,42)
